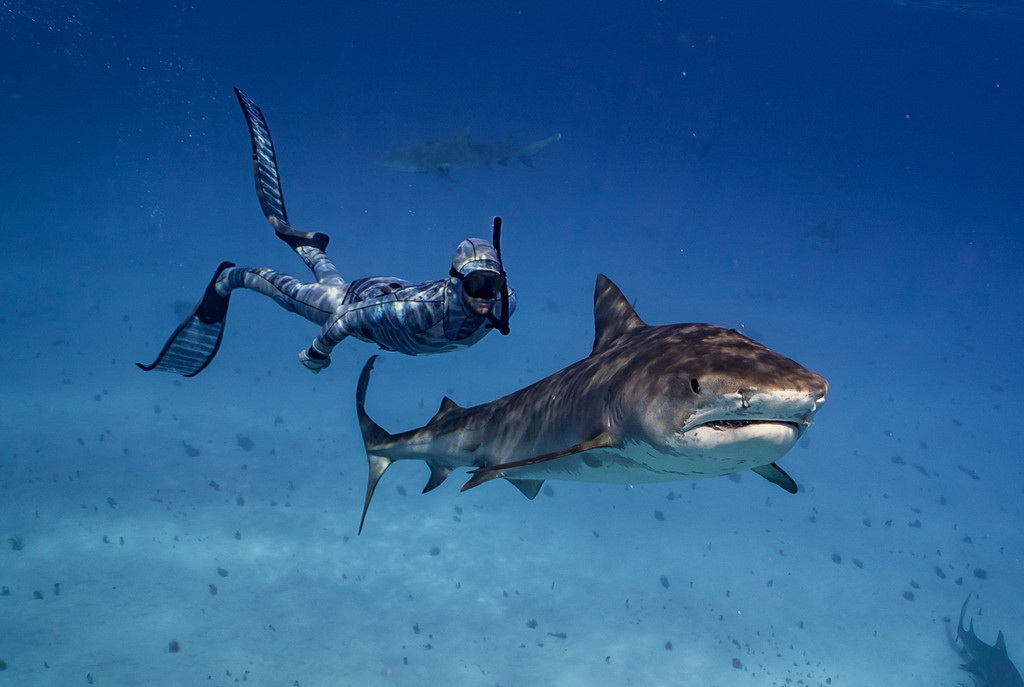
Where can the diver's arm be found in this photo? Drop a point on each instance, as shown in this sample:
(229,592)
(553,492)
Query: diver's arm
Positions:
(363,317)
(318,356)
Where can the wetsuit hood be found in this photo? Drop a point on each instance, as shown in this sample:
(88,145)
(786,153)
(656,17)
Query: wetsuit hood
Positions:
(476,254)
(480,255)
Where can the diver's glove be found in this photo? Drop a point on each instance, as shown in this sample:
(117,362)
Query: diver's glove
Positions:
(313,360)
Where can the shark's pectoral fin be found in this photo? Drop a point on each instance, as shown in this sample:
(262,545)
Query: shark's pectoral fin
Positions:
(776,475)
(529,487)
(489,472)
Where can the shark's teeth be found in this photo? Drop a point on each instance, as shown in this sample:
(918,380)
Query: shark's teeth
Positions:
(722,425)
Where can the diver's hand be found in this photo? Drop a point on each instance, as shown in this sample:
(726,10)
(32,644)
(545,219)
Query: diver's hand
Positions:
(313,360)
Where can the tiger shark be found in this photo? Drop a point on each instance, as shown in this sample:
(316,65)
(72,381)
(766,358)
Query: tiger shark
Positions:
(441,157)
(651,403)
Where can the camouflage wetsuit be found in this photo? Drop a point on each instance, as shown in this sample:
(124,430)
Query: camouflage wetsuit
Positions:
(415,319)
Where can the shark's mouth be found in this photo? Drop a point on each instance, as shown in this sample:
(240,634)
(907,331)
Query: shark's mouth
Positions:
(723,425)
(725,445)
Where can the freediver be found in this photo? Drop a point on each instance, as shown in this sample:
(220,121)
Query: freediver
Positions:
(416,319)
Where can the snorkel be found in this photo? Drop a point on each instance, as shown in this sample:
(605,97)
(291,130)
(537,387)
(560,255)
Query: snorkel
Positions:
(500,323)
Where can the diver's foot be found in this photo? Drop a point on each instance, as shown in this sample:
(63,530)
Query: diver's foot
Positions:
(298,239)
(213,307)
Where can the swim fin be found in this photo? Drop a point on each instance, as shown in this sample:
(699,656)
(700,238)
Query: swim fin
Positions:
(268,182)
(196,340)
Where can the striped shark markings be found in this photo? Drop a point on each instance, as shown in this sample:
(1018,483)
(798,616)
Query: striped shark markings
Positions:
(651,403)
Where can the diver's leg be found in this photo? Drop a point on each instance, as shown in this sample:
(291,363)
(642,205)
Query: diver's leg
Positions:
(314,301)
(323,269)
(196,340)
(268,182)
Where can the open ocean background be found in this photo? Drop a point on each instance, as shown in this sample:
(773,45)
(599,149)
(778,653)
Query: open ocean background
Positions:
(840,179)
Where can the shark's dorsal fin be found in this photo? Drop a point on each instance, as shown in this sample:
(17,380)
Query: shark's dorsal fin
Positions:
(1001,642)
(776,475)
(448,406)
(613,315)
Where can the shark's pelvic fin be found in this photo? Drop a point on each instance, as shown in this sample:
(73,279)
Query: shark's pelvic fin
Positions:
(776,475)
(529,487)
(613,315)
(438,474)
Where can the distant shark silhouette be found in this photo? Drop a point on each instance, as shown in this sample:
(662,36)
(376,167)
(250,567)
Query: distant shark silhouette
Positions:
(649,404)
(990,666)
(441,157)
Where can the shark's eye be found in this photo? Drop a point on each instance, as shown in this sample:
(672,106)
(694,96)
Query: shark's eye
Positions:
(695,385)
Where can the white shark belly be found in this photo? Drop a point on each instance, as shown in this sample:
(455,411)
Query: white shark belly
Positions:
(703,452)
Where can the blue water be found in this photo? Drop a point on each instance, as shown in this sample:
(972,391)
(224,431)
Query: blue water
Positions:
(842,180)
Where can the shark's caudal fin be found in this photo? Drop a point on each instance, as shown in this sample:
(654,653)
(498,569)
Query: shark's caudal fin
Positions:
(373,434)
(526,153)
(613,315)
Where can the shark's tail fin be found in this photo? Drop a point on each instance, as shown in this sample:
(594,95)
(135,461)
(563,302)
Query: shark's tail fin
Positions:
(373,435)
(526,153)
